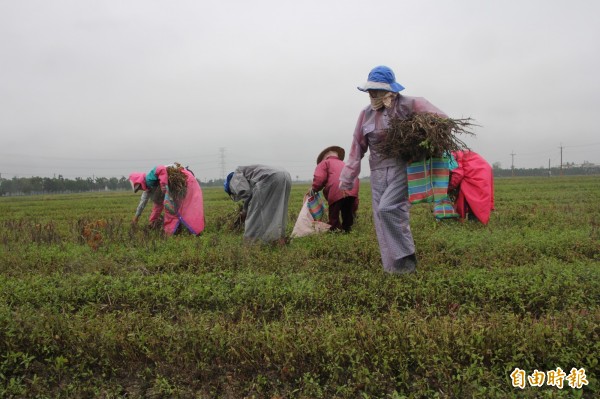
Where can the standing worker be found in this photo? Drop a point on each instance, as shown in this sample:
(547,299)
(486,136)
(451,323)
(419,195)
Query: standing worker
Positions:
(389,183)
(330,163)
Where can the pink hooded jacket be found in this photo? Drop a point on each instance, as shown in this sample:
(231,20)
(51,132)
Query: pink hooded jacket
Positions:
(475,180)
(327,178)
(189,211)
(150,193)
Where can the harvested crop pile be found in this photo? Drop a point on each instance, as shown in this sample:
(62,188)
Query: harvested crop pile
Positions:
(232,221)
(422,136)
(176,181)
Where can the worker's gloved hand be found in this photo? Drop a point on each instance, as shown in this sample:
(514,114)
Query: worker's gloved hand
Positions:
(312,193)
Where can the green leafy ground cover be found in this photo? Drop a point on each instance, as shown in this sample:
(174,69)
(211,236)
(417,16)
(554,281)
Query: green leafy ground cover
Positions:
(115,311)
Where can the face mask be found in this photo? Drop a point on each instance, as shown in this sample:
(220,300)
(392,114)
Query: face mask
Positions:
(384,101)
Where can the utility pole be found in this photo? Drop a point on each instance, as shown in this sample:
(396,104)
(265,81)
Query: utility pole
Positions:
(222,159)
(549,170)
(512,165)
(561,148)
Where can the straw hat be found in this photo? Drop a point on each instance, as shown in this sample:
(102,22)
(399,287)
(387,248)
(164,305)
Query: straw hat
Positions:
(340,152)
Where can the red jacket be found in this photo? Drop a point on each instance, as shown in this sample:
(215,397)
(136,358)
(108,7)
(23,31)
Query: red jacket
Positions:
(474,179)
(327,178)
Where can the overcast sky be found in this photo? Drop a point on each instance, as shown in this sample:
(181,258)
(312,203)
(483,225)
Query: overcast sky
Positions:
(105,88)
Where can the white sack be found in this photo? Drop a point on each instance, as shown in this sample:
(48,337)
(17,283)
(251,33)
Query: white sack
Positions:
(306,225)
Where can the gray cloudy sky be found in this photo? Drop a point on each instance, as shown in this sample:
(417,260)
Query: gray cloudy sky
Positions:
(104,88)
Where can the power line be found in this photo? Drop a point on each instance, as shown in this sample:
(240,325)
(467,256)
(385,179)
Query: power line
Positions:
(581,145)
(104,159)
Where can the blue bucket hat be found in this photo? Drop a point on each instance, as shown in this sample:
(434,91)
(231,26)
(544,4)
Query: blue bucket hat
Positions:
(226,184)
(381,78)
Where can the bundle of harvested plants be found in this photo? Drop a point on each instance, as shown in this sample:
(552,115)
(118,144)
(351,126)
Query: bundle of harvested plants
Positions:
(424,135)
(232,221)
(177,181)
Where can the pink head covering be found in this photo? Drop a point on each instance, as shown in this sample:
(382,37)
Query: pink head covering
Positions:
(138,178)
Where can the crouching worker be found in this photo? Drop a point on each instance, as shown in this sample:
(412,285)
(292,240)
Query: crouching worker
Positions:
(265,191)
(344,203)
(174,189)
(472,179)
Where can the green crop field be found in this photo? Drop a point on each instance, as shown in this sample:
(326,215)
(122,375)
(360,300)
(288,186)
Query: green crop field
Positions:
(91,307)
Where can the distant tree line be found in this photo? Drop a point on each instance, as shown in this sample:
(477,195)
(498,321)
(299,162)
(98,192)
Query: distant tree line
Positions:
(47,185)
(61,185)
(212,183)
(56,185)
(567,170)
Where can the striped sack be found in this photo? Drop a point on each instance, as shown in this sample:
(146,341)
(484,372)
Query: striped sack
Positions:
(444,209)
(428,182)
(440,175)
(316,206)
(420,188)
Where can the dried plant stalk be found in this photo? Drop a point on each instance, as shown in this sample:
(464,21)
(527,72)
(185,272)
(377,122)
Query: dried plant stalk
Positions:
(424,135)
(232,221)
(177,181)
